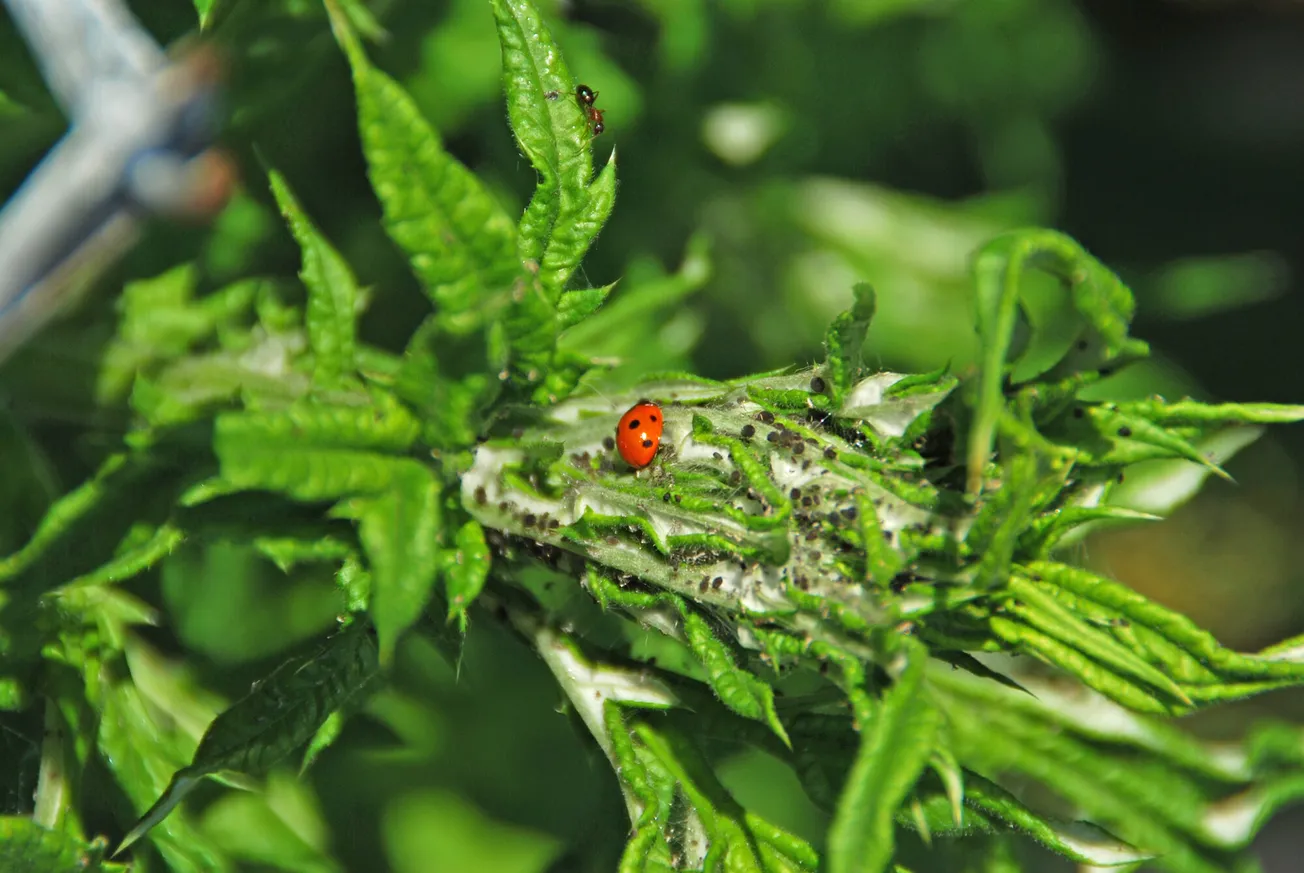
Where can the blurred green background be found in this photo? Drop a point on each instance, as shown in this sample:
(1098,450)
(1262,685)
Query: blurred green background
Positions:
(771,153)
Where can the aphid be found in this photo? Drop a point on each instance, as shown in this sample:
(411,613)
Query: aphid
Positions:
(587,97)
(639,433)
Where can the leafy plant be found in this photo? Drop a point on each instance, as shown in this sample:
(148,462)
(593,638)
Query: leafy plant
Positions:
(831,565)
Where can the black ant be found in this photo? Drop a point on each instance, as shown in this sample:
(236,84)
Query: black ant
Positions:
(587,96)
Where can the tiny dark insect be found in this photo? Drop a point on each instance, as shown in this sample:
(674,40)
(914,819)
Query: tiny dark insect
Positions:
(587,97)
(551,95)
(748,431)
(817,385)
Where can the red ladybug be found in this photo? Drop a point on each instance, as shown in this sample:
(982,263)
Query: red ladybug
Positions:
(639,433)
(587,98)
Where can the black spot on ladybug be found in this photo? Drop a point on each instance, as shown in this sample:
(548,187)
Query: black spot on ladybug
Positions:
(633,424)
(647,444)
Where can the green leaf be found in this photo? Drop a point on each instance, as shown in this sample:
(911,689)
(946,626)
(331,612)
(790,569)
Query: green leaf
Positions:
(25,845)
(280,715)
(332,293)
(550,128)
(1040,610)
(629,324)
(461,244)
(845,339)
(575,230)
(314,451)
(452,406)
(466,570)
(736,840)
(205,10)
(400,532)
(896,742)
(577,305)
(1103,302)
(140,753)
(737,688)
(87,525)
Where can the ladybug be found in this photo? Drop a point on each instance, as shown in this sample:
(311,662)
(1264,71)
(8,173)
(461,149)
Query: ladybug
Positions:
(587,96)
(639,433)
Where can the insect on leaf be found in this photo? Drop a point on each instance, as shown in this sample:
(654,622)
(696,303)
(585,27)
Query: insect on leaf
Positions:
(549,125)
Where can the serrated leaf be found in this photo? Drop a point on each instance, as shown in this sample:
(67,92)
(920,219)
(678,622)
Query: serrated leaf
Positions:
(577,305)
(400,531)
(278,716)
(896,743)
(332,293)
(1040,610)
(1045,534)
(529,328)
(575,230)
(314,451)
(737,688)
(461,244)
(465,571)
(1135,438)
(1103,302)
(548,123)
(734,839)
(844,340)
(1189,412)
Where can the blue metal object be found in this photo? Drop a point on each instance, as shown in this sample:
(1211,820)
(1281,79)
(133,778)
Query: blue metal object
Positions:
(142,126)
